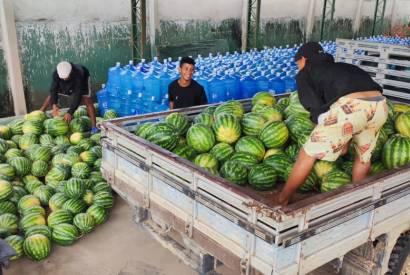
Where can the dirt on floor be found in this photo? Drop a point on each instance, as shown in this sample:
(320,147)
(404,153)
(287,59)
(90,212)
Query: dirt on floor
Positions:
(118,247)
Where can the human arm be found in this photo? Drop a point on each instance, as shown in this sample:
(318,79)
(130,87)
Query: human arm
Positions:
(53,97)
(171,97)
(76,97)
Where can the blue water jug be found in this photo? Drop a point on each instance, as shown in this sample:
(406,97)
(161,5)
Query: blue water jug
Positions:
(262,83)
(204,82)
(248,86)
(114,80)
(137,81)
(217,91)
(290,83)
(103,100)
(230,85)
(165,80)
(152,87)
(277,85)
(126,82)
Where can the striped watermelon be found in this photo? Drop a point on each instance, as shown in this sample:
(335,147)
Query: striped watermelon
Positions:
(39,168)
(80,170)
(88,197)
(32,219)
(104,199)
(402,124)
(101,186)
(381,140)
(16,126)
(58,217)
(204,118)
(97,150)
(245,159)
(258,107)
(180,122)
(209,110)
(273,151)
(110,114)
(57,201)
(27,201)
(81,124)
(21,165)
(27,140)
(200,138)
(234,108)
(389,127)
(310,183)
(75,150)
(396,152)
(33,127)
(274,135)
(8,224)
(3,146)
(74,188)
(334,180)
(292,151)
(13,152)
(264,98)
(11,144)
(38,229)
(37,247)
(59,173)
(75,206)
(29,153)
(251,145)
(282,104)
(98,213)
(164,135)
(29,178)
(400,108)
(7,171)
(252,124)
(262,177)
(227,129)
(76,137)
(84,222)
(81,111)
(16,139)
(42,153)
(206,160)
(376,168)
(299,126)
(5,132)
(31,186)
(235,172)
(46,140)
(321,168)
(36,115)
(279,162)
(36,209)
(96,138)
(43,193)
(88,157)
(143,129)
(62,140)
(184,151)
(97,164)
(8,207)
(347,167)
(18,193)
(222,152)
(6,190)
(64,234)
(270,114)
(16,242)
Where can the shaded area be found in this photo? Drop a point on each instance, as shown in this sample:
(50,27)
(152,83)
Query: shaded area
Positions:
(281,32)
(5,96)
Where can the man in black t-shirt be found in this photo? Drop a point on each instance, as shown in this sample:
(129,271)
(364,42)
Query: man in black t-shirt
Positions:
(186,92)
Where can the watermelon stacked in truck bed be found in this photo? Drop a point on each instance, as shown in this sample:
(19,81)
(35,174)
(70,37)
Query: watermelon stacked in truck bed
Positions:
(259,148)
(51,189)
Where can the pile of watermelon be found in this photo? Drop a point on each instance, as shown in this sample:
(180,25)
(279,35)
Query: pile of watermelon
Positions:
(51,187)
(260,147)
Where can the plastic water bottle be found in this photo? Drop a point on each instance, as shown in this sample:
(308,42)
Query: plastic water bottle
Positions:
(290,83)
(248,86)
(103,100)
(216,89)
(262,83)
(114,80)
(165,80)
(277,85)
(152,87)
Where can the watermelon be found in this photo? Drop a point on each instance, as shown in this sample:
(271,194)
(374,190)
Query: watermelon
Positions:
(110,114)
(32,219)
(279,162)
(262,177)
(5,132)
(206,160)
(347,167)
(59,173)
(96,150)
(299,127)
(8,207)
(101,186)
(62,140)
(258,107)
(33,127)
(273,151)
(245,159)
(88,157)
(274,135)
(57,201)
(18,193)
(38,229)
(180,122)
(21,165)
(75,206)
(98,213)
(184,151)
(209,110)
(3,146)
(46,140)
(400,108)
(282,104)
(376,168)
(80,170)
(27,201)
(270,114)
(39,168)
(36,116)
(104,199)
(37,247)
(396,152)
(8,224)
(234,108)
(377,151)
(64,234)
(16,126)
(16,139)
(264,98)
(7,171)
(43,193)
(36,209)
(11,144)
(252,124)
(235,172)
(222,152)
(56,127)
(227,129)
(81,124)
(29,178)
(26,141)
(389,127)
(402,124)
(251,145)
(31,186)
(74,188)
(13,152)
(97,164)
(86,144)
(58,217)
(334,180)
(84,222)
(200,138)
(76,137)
(6,190)
(204,118)
(77,150)
(143,129)
(88,197)
(164,135)
(41,153)
(310,183)
(96,138)
(81,111)
(321,168)
(16,242)
(292,151)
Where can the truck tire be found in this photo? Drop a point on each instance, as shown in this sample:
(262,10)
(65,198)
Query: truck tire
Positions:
(399,262)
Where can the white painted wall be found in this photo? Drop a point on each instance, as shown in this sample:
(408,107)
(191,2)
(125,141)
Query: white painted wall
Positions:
(296,9)
(72,10)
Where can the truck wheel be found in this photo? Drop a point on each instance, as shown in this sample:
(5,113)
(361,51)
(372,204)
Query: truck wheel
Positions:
(399,262)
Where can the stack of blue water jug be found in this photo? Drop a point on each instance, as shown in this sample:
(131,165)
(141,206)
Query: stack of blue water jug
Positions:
(394,40)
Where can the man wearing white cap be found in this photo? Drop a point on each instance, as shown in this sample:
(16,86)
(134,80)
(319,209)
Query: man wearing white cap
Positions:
(73,81)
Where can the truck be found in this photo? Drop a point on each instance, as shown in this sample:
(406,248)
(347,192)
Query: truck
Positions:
(362,228)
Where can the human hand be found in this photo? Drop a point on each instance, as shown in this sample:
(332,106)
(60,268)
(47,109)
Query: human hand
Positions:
(56,111)
(68,117)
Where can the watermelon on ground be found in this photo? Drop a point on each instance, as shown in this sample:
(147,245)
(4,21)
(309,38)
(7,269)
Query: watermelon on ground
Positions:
(58,217)
(84,222)
(37,247)
(38,229)
(6,190)
(8,224)
(16,242)
(98,213)
(64,234)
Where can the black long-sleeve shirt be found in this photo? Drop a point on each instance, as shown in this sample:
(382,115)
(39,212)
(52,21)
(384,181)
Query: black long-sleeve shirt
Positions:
(75,87)
(322,82)
(184,97)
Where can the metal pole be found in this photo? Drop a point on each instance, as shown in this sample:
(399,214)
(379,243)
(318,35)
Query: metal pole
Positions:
(134,30)
(322,27)
(245,24)
(143,26)
(375,17)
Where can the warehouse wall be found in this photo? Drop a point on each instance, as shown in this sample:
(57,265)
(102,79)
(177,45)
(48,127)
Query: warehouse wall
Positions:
(94,33)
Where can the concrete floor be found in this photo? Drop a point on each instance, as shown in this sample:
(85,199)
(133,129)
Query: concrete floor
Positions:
(118,247)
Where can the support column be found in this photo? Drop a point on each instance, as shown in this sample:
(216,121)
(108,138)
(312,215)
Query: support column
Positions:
(310,19)
(153,25)
(327,17)
(358,17)
(254,16)
(139,28)
(378,19)
(244,24)
(10,46)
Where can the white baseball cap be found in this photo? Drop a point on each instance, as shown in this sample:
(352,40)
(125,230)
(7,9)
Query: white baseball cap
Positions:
(64,69)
